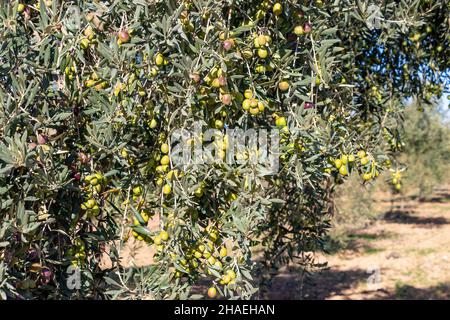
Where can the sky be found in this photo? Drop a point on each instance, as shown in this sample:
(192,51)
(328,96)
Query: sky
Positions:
(444,105)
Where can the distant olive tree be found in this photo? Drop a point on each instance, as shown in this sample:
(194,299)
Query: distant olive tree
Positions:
(426,150)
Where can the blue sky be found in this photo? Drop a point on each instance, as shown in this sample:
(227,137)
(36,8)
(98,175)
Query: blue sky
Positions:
(444,106)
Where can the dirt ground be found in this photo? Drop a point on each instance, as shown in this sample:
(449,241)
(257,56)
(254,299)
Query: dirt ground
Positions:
(403,255)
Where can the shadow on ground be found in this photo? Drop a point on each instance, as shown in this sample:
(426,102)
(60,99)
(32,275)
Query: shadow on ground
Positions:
(440,198)
(358,241)
(407,292)
(341,284)
(317,286)
(328,284)
(408,217)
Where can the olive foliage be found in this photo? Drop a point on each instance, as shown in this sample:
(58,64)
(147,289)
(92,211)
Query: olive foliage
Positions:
(427,163)
(91,92)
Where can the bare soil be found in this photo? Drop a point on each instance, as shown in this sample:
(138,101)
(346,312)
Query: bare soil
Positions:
(403,255)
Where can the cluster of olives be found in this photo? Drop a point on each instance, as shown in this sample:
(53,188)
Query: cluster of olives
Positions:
(369,166)
(289,144)
(89,38)
(145,112)
(159,61)
(375,92)
(208,256)
(216,78)
(303,29)
(160,239)
(251,104)
(262,43)
(93,186)
(70,72)
(345,163)
(164,174)
(263,8)
(141,219)
(396,180)
(96,82)
(77,253)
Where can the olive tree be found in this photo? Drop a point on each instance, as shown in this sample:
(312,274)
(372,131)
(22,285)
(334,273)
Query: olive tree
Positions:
(97,98)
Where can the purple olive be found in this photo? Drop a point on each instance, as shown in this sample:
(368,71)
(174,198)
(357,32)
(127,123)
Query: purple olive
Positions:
(32,254)
(46,276)
(84,158)
(195,77)
(124,36)
(42,139)
(222,81)
(31,145)
(228,44)
(307,28)
(309,105)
